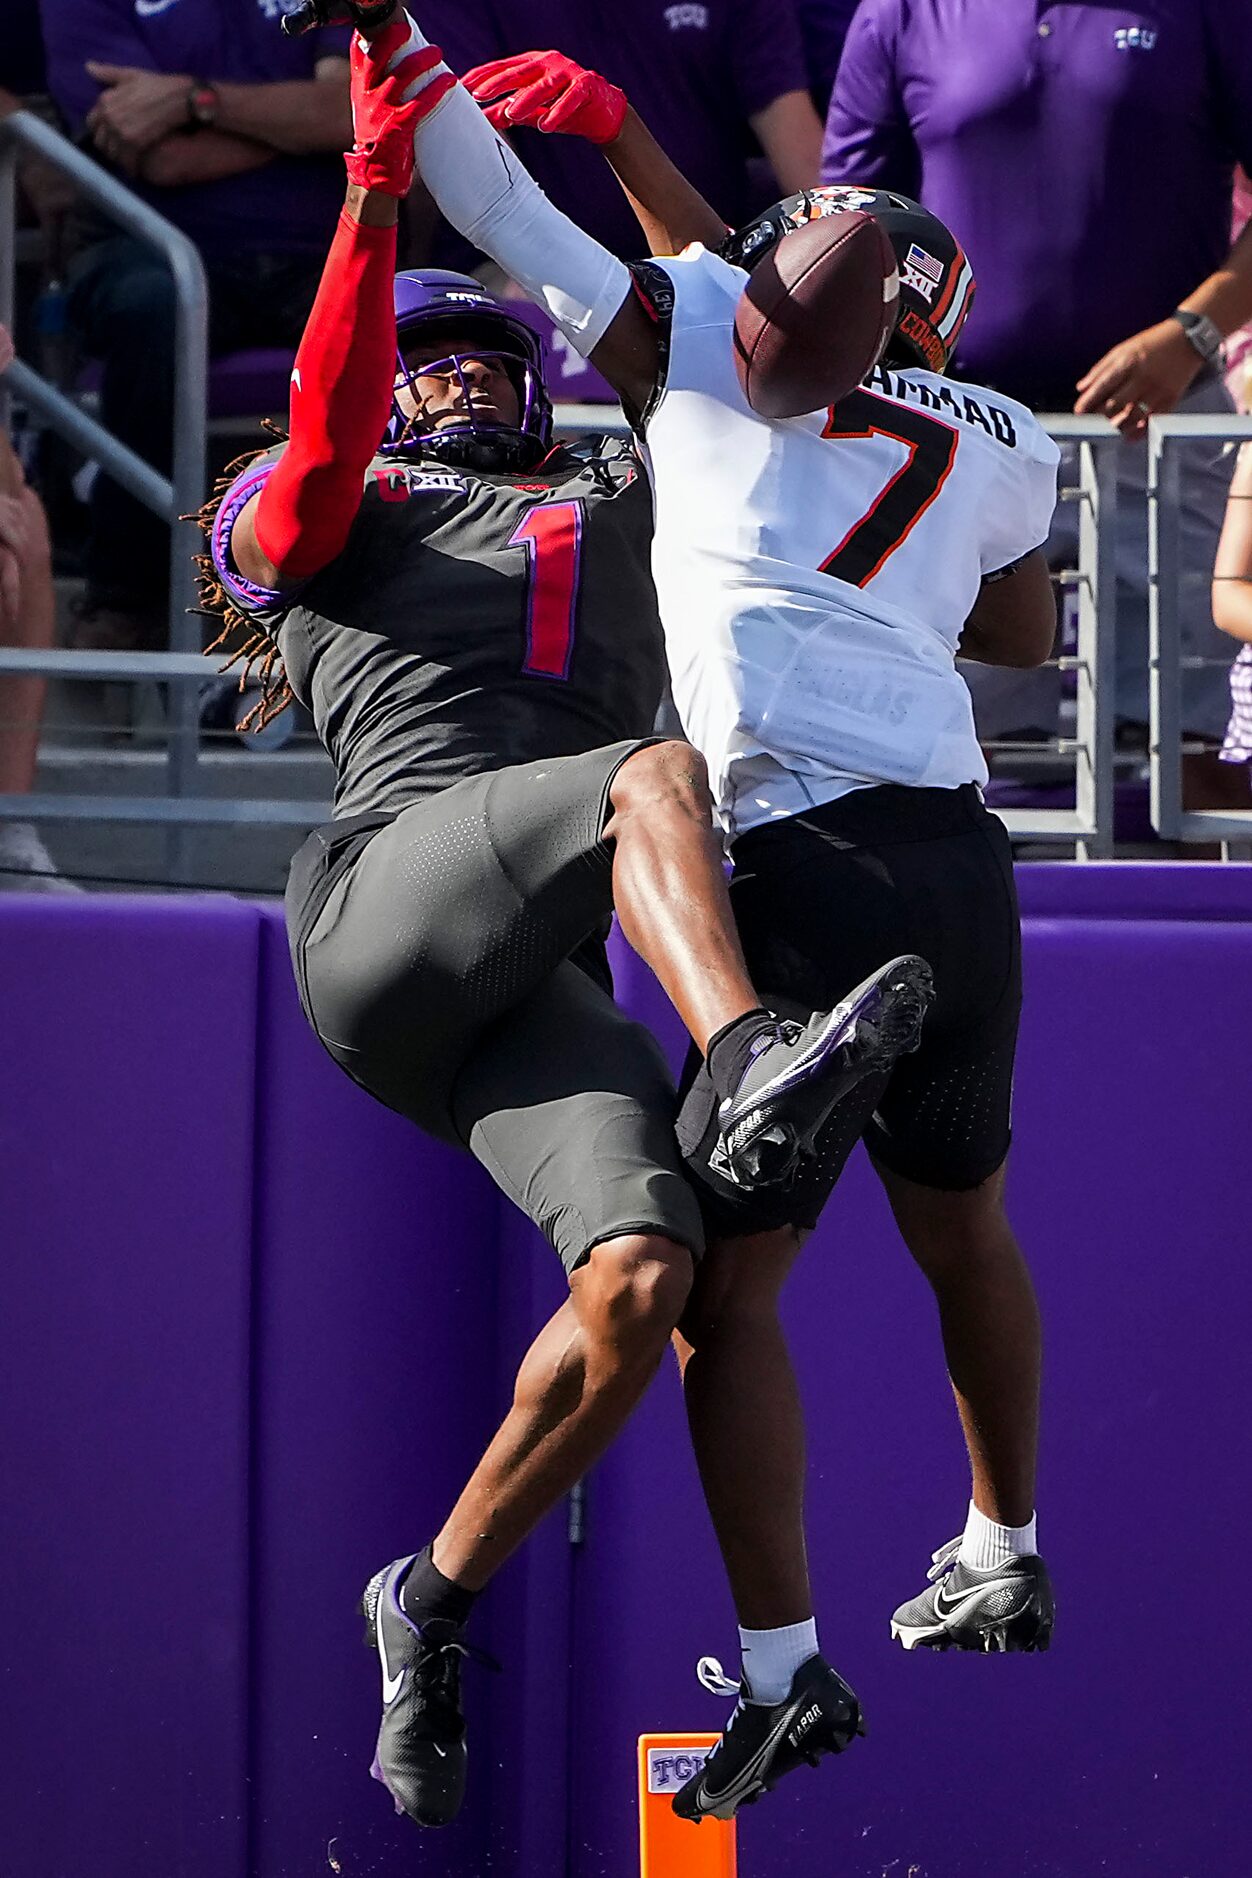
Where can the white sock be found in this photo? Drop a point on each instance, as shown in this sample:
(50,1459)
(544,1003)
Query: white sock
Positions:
(772,1657)
(984,1544)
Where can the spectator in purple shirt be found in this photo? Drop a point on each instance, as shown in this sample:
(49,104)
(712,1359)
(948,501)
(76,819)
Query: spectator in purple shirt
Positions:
(1084,156)
(233,132)
(707,76)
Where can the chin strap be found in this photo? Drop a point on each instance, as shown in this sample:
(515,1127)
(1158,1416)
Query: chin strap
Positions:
(340,403)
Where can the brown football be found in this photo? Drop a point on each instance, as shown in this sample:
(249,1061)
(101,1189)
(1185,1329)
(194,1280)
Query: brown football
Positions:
(816,314)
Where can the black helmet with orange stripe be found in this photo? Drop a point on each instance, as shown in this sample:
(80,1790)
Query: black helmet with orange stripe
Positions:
(936,279)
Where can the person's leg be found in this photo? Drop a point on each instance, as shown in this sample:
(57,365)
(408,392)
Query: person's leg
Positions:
(988,1590)
(589,1155)
(28,619)
(31,624)
(579,1381)
(747,1425)
(669,887)
(747,1430)
(776,1085)
(989,1322)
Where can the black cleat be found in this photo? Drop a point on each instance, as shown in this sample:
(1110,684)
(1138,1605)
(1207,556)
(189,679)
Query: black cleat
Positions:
(1005,1607)
(420,1756)
(760,1744)
(795,1082)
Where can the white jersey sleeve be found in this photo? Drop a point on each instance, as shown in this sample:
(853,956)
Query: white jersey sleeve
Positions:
(1019,513)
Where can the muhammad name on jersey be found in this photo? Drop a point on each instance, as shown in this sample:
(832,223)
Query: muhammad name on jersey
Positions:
(945,397)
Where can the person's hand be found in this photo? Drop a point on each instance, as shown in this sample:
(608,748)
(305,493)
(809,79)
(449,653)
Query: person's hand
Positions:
(546,91)
(7,353)
(384,68)
(135,109)
(1144,374)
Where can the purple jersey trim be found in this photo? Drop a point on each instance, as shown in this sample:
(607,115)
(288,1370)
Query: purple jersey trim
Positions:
(245,593)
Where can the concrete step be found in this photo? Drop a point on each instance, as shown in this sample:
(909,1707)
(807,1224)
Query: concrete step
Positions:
(245,858)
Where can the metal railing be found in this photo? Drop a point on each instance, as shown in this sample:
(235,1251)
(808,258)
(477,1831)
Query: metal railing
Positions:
(1087,827)
(1089,824)
(1167,662)
(180,493)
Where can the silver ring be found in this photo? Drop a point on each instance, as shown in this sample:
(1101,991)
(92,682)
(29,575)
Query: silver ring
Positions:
(1146,409)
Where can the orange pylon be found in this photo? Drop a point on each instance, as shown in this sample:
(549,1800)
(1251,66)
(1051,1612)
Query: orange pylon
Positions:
(670,1847)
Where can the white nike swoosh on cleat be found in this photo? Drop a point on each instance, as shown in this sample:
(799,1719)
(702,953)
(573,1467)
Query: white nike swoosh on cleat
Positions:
(742,1784)
(392,1685)
(948,1611)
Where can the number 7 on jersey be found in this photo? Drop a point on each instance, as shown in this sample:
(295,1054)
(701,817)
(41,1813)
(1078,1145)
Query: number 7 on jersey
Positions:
(905,498)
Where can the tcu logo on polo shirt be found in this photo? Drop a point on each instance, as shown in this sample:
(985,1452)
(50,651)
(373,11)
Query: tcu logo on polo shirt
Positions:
(687,15)
(1135,38)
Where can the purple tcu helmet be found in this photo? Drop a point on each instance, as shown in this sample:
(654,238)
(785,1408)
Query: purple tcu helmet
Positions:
(432,306)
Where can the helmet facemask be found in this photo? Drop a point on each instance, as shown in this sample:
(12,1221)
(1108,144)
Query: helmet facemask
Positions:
(433,311)
(470,441)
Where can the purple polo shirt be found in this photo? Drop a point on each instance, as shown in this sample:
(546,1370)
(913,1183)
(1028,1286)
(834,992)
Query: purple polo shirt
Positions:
(1082,153)
(288,206)
(695,70)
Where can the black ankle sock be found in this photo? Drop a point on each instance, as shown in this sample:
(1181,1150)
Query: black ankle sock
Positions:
(426,1593)
(731,1050)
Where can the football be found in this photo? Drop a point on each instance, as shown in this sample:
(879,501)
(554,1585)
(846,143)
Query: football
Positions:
(815,315)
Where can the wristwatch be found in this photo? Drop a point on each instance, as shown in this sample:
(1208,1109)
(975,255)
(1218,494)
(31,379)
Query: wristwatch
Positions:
(1202,335)
(202,104)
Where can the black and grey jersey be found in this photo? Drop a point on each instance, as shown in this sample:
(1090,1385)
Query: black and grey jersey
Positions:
(472,621)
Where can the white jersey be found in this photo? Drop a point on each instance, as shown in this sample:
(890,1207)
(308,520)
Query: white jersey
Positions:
(814,574)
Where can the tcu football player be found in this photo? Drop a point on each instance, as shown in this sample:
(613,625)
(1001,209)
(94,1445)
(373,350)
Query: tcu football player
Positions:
(467,610)
(816,578)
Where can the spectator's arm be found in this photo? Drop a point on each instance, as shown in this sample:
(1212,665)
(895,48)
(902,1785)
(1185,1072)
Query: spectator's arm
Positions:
(868,136)
(771,86)
(1152,369)
(297,117)
(1232,571)
(1014,618)
(75,30)
(202,156)
(790,133)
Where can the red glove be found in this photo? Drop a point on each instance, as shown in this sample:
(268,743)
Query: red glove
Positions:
(548,92)
(383,118)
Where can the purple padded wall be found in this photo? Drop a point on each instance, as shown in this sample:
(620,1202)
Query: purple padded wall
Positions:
(257,1332)
(1119,1751)
(126,1131)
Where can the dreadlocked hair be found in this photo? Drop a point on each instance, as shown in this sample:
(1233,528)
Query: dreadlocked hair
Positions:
(245,644)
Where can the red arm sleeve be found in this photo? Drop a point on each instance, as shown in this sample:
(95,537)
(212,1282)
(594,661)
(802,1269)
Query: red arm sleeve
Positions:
(340,403)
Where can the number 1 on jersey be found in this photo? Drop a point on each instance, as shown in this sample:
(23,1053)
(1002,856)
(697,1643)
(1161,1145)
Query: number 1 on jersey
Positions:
(552,537)
(901,502)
